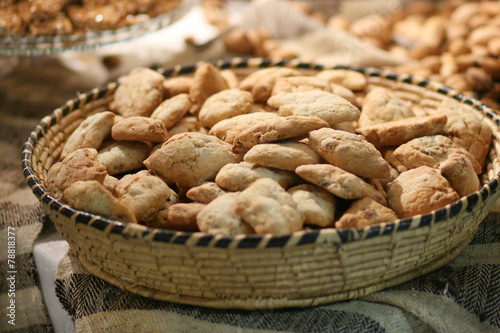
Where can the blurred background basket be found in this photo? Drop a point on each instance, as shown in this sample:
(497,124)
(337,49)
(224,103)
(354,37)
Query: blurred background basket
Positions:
(305,268)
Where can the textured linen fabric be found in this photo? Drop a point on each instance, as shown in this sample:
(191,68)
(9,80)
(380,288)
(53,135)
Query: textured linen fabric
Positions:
(21,217)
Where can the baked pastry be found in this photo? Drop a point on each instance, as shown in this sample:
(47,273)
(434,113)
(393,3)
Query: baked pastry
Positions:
(350,152)
(341,183)
(330,107)
(419,191)
(268,208)
(219,217)
(189,159)
(80,165)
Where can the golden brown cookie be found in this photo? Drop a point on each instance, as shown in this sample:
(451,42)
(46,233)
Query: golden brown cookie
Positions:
(189,159)
(81,164)
(350,79)
(317,204)
(207,81)
(224,104)
(269,209)
(143,193)
(459,172)
(330,107)
(300,83)
(397,132)
(231,78)
(238,176)
(171,110)
(261,82)
(90,133)
(219,217)
(228,129)
(285,155)
(277,129)
(179,216)
(185,125)
(345,93)
(91,196)
(350,152)
(466,129)
(365,212)
(110,182)
(123,156)
(339,182)
(177,85)
(381,105)
(205,193)
(140,92)
(430,151)
(419,191)
(137,128)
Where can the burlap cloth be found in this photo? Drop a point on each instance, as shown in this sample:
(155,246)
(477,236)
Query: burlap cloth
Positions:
(463,296)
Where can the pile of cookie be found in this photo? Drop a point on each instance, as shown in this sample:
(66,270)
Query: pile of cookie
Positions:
(20,18)
(455,42)
(271,152)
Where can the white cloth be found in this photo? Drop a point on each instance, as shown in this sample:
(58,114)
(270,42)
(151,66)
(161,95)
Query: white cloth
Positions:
(48,250)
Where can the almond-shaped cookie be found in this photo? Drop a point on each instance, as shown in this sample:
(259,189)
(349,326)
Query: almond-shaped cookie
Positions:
(261,82)
(286,155)
(350,152)
(419,191)
(350,79)
(459,172)
(139,93)
(238,176)
(228,129)
(219,217)
(397,132)
(185,125)
(381,105)
(123,156)
(269,209)
(341,183)
(330,107)
(300,83)
(224,104)
(430,151)
(345,93)
(365,212)
(90,133)
(466,129)
(208,80)
(91,196)
(171,110)
(176,85)
(137,128)
(317,204)
(81,164)
(180,216)
(280,128)
(205,193)
(189,159)
(143,193)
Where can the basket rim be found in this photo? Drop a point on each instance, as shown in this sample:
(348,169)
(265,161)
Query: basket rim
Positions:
(302,237)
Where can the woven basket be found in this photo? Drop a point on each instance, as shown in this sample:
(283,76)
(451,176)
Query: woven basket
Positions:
(305,268)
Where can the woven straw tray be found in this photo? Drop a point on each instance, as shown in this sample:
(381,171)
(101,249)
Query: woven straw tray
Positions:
(305,268)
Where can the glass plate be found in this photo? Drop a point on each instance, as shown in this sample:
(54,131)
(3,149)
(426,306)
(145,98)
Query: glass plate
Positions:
(47,45)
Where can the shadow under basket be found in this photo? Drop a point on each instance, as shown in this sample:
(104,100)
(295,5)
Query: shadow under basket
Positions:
(305,268)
